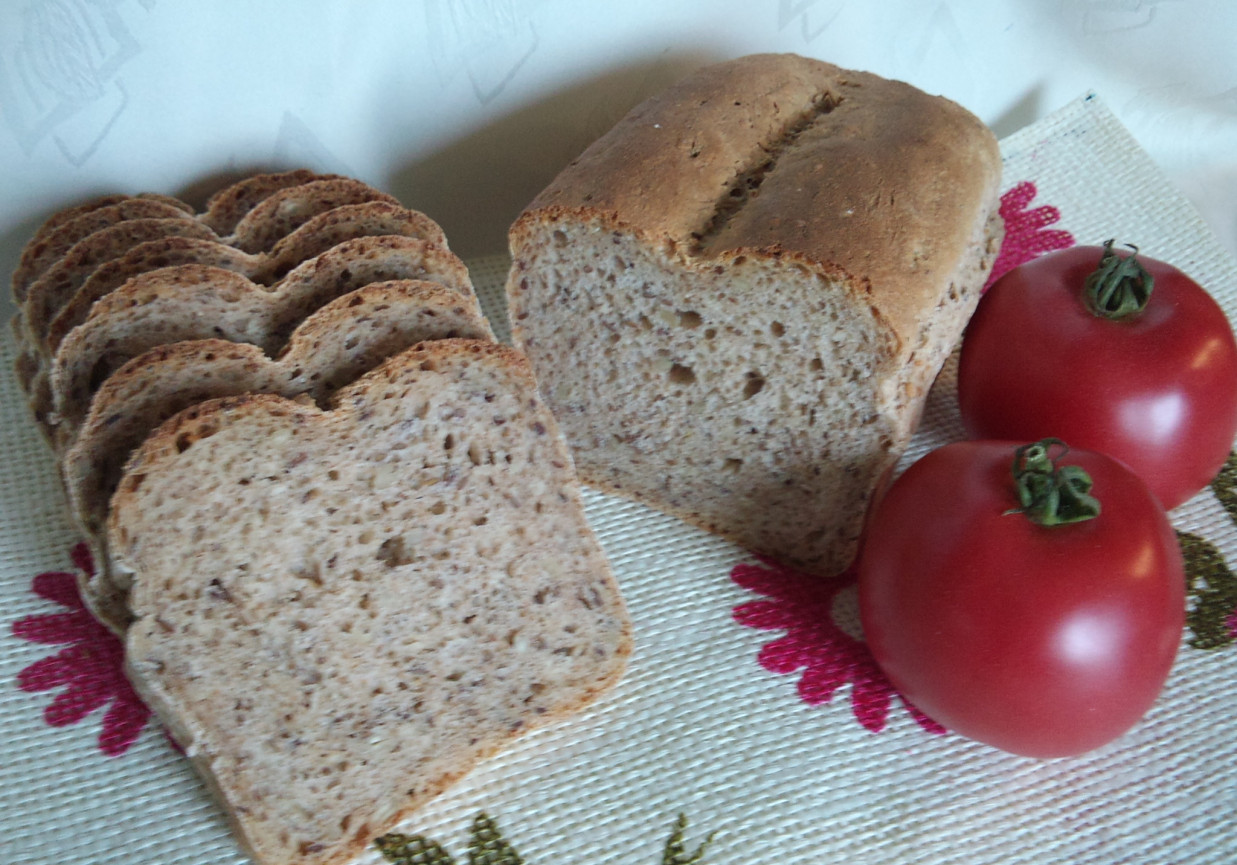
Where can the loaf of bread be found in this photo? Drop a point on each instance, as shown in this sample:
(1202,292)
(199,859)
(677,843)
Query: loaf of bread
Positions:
(737,299)
(330,349)
(380,595)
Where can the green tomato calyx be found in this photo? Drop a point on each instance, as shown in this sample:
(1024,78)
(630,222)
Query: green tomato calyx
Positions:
(1119,287)
(1051,494)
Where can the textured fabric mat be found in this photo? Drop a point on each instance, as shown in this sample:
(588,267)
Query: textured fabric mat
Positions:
(751,726)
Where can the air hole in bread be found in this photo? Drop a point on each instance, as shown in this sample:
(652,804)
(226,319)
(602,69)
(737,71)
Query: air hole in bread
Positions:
(777,328)
(754,385)
(392,553)
(732,465)
(680,374)
(99,373)
(816,364)
(560,239)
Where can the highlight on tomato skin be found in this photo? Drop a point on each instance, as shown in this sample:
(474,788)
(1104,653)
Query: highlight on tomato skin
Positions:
(1040,640)
(1153,383)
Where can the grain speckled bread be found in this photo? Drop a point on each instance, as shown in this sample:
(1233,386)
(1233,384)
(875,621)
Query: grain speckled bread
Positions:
(276,222)
(737,299)
(330,349)
(195,301)
(314,237)
(382,594)
(60,232)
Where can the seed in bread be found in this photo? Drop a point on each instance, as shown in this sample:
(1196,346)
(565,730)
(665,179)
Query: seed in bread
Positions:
(737,299)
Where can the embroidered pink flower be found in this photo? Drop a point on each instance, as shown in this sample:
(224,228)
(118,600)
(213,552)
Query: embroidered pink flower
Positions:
(807,607)
(1027,234)
(90,668)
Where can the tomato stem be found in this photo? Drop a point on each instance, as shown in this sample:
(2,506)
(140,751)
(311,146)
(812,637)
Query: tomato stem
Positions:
(1120,286)
(1051,494)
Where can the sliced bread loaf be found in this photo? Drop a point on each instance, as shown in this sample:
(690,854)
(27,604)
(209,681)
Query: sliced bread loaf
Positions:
(228,206)
(285,210)
(193,301)
(48,294)
(381,594)
(52,244)
(737,299)
(314,237)
(330,349)
(64,228)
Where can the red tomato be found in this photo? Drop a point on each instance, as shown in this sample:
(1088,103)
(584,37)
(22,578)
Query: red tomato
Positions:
(1157,389)
(1044,641)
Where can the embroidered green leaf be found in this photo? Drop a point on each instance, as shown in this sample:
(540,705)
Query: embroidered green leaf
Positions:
(1225,485)
(488,847)
(676,853)
(412,850)
(1213,588)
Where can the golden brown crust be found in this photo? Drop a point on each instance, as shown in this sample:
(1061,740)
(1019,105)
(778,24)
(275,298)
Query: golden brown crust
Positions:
(741,158)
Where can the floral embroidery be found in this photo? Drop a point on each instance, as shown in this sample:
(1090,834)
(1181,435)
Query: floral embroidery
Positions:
(807,607)
(487,846)
(1027,234)
(90,668)
(1213,589)
(1210,583)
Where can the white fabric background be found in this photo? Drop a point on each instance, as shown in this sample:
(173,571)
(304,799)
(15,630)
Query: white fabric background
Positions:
(465,108)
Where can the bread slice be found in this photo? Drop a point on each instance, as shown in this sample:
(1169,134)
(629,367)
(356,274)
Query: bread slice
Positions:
(330,349)
(52,243)
(200,302)
(228,206)
(382,594)
(314,237)
(282,212)
(737,299)
(56,287)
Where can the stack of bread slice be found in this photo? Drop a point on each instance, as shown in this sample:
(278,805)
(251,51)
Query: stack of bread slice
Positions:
(330,515)
(103,285)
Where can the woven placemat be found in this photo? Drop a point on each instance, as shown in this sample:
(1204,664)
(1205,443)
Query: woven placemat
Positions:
(751,727)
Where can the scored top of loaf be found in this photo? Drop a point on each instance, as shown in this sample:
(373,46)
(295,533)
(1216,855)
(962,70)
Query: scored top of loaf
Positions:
(852,174)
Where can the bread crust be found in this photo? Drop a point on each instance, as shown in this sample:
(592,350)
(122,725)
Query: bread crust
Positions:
(894,222)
